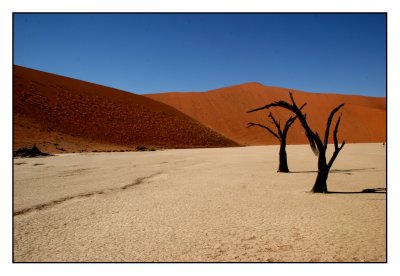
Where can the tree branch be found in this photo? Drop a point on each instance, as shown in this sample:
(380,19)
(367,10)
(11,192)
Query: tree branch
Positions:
(265,127)
(293,102)
(337,148)
(289,122)
(276,123)
(304,104)
(328,124)
(315,142)
(292,119)
(277,103)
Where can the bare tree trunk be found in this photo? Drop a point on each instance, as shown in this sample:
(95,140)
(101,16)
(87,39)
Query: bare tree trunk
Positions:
(320,185)
(283,165)
(281,135)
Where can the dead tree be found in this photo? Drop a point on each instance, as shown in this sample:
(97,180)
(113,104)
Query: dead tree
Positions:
(318,146)
(281,135)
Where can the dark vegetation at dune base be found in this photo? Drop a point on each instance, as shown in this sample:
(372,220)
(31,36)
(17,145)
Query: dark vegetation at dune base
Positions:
(29,152)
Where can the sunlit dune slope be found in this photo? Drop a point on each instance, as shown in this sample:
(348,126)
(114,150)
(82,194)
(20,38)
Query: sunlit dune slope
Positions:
(224,110)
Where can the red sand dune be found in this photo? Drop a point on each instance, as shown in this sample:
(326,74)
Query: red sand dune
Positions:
(224,110)
(59,113)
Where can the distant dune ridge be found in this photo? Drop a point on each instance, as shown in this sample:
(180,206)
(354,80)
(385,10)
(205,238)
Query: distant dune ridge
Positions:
(224,110)
(61,114)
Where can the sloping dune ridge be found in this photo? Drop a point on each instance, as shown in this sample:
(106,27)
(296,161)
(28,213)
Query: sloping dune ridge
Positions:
(61,114)
(224,110)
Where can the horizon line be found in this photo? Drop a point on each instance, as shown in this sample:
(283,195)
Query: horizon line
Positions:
(205,91)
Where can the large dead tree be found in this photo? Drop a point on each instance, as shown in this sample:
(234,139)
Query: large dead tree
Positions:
(281,135)
(318,146)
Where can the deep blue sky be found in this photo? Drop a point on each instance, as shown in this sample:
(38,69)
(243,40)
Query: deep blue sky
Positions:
(150,53)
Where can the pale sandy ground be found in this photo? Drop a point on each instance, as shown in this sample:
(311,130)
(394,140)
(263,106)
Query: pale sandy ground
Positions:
(199,205)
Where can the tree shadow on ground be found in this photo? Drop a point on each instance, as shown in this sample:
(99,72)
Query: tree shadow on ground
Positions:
(365,191)
(348,172)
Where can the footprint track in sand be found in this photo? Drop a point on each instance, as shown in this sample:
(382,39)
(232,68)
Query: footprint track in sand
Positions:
(53,203)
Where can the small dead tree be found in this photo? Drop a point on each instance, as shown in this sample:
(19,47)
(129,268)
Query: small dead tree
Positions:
(318,146)
(281,135)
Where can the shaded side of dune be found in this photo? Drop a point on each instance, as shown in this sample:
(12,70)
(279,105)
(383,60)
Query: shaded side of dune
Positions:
(72,114)
(224,110)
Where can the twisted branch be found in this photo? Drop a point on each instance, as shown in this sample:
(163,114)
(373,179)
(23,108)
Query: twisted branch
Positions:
(267,128)
(328,124)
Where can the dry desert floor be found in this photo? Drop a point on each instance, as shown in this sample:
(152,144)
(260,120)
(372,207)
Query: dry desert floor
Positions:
(200,205)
